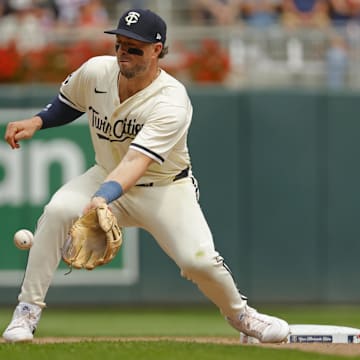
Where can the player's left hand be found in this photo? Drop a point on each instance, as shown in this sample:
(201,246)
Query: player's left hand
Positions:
(94,239)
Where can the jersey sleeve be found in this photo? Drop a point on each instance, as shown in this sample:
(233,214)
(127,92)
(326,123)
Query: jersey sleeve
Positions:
(73,89)
(165,126)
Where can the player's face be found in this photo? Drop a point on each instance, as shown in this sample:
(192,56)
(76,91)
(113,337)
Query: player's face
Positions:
(134,57)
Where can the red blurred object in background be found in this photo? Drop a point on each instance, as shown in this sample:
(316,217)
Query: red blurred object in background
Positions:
(211,64)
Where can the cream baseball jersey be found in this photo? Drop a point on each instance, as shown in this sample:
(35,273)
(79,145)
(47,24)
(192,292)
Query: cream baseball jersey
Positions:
(154,121)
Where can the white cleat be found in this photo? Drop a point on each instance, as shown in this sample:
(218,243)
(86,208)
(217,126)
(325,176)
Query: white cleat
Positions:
(265,328)
(23,324)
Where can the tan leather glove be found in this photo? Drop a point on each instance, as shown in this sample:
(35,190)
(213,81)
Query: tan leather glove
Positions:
(94,239)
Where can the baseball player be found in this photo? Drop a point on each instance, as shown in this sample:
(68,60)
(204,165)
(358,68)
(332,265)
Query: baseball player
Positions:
(139,117)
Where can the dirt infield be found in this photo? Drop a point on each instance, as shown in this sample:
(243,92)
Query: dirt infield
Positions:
(333,349)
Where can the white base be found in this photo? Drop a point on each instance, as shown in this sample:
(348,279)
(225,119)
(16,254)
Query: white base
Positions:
(315,334)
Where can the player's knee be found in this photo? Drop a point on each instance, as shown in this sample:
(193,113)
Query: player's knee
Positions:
(58,211)
(194,269)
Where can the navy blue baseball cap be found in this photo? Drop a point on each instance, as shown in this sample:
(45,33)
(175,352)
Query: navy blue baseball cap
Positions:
(142,25)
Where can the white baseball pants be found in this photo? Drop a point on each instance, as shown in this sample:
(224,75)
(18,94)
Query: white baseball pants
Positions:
(170,213)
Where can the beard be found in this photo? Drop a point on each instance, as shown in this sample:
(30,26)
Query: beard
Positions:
(134,71)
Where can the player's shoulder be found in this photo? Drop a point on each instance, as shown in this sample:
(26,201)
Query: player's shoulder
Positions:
(170,81)
(99,68)
(172,87)
(102,63)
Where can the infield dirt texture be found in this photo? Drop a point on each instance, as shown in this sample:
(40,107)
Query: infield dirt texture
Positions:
(170,333)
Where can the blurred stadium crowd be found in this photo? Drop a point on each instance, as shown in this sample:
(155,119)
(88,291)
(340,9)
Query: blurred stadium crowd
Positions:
(237,43)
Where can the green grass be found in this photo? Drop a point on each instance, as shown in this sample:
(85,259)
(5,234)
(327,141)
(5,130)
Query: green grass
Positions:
(161,350)
(136,322)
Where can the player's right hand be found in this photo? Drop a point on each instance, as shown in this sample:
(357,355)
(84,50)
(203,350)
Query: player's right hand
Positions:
(94,203)
(20,130)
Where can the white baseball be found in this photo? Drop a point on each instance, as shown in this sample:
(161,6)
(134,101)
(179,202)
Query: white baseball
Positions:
(23,239)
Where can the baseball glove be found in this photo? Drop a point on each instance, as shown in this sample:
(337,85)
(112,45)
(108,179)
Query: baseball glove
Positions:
(94,239)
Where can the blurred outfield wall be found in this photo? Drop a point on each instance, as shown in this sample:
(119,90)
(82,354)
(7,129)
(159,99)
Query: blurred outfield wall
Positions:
(279,176)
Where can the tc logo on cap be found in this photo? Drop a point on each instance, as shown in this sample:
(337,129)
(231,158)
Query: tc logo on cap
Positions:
(132,18)
(141,25)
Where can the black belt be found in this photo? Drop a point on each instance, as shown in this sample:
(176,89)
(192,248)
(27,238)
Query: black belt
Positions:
(182,174)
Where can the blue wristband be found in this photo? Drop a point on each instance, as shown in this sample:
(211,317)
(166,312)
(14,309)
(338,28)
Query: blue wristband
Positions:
(110,191)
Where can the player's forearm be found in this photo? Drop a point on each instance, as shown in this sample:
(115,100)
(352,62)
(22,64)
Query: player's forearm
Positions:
(130,169)
(124,176)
